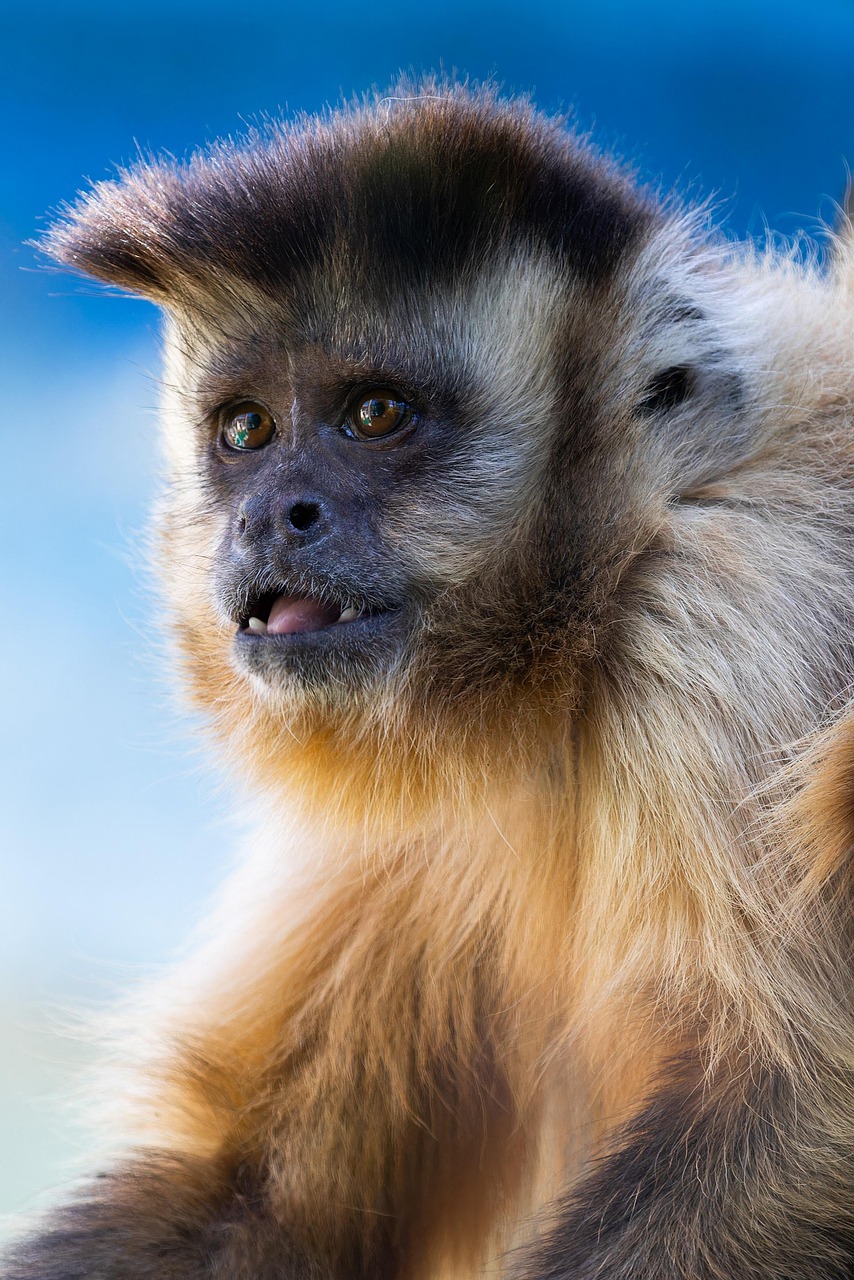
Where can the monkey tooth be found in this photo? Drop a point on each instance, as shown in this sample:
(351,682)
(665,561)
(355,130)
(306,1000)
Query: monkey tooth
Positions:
(297,614)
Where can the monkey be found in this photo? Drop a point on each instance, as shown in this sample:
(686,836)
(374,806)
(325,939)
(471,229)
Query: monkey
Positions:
(506,547)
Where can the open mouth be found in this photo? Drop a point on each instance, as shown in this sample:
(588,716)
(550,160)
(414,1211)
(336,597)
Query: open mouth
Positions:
(319,639)
(277,614)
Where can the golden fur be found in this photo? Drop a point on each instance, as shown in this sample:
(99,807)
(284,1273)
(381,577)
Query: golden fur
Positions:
(548,893)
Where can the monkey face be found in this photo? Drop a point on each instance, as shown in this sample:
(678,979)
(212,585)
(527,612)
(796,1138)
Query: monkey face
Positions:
(359,490)
(435,378)
(305,568)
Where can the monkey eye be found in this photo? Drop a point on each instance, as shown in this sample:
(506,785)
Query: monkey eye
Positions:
(247,426)
(376,415)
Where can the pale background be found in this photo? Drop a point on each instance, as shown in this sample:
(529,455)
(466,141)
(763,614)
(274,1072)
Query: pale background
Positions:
(112,828)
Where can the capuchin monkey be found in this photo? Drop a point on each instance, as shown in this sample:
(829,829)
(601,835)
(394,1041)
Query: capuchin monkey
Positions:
(507,543)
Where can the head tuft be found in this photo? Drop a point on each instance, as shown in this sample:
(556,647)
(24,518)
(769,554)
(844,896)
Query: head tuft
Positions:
(427,176)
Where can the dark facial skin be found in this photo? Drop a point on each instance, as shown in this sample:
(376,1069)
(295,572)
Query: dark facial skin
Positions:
(314,470)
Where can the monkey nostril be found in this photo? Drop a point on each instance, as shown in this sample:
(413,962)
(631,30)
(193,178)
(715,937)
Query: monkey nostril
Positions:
(303,515)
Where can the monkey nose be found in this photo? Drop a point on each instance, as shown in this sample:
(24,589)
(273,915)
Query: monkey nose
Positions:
(303,519)
(300,518)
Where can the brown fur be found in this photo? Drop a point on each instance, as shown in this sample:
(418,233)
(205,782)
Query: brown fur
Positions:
(539,963)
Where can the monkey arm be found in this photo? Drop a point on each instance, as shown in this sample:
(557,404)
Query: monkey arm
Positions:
(259,1168)
(719,1179)
(164,1216)
(739,1165)
(304,1129)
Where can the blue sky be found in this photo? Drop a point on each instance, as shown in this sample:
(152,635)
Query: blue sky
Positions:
(112,826)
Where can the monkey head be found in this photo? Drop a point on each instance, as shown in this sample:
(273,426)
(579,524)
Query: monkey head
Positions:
(435,375)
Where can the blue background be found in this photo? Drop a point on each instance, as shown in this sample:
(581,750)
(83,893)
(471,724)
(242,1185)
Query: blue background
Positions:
(112,828)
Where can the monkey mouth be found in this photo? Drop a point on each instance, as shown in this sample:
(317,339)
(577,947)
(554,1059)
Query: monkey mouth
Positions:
(319,636)
(281,614)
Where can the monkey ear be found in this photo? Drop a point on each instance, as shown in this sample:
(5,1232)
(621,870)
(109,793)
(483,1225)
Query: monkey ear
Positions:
(124,233)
